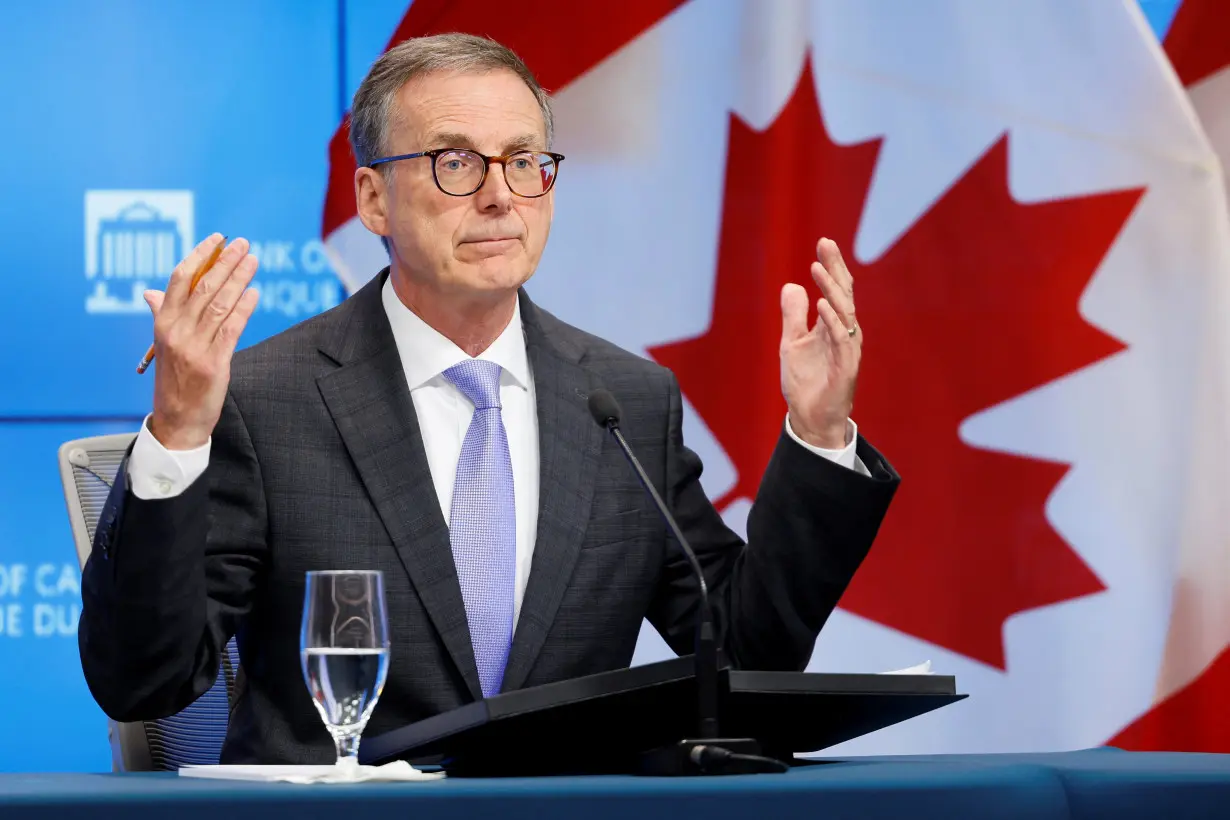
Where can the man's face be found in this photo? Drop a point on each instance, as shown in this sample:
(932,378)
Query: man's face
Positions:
(489,242)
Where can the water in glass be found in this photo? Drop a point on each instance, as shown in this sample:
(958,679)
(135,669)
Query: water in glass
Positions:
(344,648)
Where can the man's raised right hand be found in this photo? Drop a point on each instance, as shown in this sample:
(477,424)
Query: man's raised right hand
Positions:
(195,333)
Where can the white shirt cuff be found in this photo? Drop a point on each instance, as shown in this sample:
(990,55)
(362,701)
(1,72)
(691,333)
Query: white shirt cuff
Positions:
(155,472)
(846,456)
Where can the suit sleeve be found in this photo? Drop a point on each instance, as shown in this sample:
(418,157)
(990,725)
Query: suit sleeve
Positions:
(811,525)
(169,581)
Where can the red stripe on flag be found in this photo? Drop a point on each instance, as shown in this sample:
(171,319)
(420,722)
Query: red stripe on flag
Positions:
(340,204)
(1198,42)
(559,41)
(1194,719)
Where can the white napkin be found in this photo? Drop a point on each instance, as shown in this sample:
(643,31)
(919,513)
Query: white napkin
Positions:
(922,669)
(397,771)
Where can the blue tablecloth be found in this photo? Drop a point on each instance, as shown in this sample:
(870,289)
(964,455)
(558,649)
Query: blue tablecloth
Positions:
(1100,783)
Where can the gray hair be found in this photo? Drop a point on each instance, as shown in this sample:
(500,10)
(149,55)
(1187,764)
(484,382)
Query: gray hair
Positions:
(374,102)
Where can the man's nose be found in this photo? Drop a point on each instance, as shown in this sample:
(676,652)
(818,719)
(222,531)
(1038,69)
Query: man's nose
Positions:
(494,192)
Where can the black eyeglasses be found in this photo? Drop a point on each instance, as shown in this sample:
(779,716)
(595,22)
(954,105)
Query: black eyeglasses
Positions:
(459,172)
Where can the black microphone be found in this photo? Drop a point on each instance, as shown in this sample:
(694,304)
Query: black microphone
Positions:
(705,754)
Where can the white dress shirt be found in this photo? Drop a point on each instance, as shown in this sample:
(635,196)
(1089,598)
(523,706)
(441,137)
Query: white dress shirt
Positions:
(444,415)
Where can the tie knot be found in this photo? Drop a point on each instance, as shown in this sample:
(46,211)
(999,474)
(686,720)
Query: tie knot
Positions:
(479,379)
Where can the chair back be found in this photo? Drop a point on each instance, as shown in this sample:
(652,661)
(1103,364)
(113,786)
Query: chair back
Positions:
(194,736)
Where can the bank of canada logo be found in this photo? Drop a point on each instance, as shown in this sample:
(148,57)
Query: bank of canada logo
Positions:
(133,240)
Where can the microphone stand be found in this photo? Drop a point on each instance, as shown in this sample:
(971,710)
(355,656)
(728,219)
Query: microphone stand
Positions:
(708,752)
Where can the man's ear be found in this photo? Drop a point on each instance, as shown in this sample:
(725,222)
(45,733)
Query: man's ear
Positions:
(371,198)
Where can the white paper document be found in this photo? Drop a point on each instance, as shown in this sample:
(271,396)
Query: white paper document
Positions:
(398,771)
(922,669)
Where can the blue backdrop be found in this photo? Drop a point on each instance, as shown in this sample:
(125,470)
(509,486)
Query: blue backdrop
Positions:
(136,127)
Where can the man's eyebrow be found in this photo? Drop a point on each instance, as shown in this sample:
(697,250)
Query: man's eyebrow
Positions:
(526,142)
(450,139)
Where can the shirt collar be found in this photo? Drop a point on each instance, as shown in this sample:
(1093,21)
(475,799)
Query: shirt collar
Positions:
(426,353)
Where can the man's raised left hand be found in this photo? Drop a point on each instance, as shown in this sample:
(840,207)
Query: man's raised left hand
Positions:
(820,364)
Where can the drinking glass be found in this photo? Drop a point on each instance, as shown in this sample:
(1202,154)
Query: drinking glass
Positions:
(344,648)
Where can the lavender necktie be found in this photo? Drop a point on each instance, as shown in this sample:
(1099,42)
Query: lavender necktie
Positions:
(483,522)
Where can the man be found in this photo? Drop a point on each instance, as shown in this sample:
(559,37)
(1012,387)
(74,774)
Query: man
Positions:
(348,442)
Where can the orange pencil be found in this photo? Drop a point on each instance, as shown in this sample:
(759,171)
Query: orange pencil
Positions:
(196,277)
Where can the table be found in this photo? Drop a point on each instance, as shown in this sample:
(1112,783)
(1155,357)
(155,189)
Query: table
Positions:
(1097,783)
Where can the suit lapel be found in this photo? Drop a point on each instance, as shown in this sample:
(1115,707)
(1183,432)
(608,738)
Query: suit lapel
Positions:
(369,400)
(569,444)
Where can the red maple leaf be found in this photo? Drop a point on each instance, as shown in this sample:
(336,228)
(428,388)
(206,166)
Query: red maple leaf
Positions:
(976,304)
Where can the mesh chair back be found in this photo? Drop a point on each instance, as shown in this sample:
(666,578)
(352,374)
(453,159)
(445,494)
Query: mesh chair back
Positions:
(194,736)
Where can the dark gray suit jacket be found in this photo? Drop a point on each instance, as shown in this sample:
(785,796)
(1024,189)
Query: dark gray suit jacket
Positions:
(318,463)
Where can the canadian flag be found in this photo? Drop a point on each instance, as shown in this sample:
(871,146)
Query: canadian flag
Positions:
(1194,676)
(1037,228)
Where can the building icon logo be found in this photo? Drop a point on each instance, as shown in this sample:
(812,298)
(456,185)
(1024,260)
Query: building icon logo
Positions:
(133,240)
